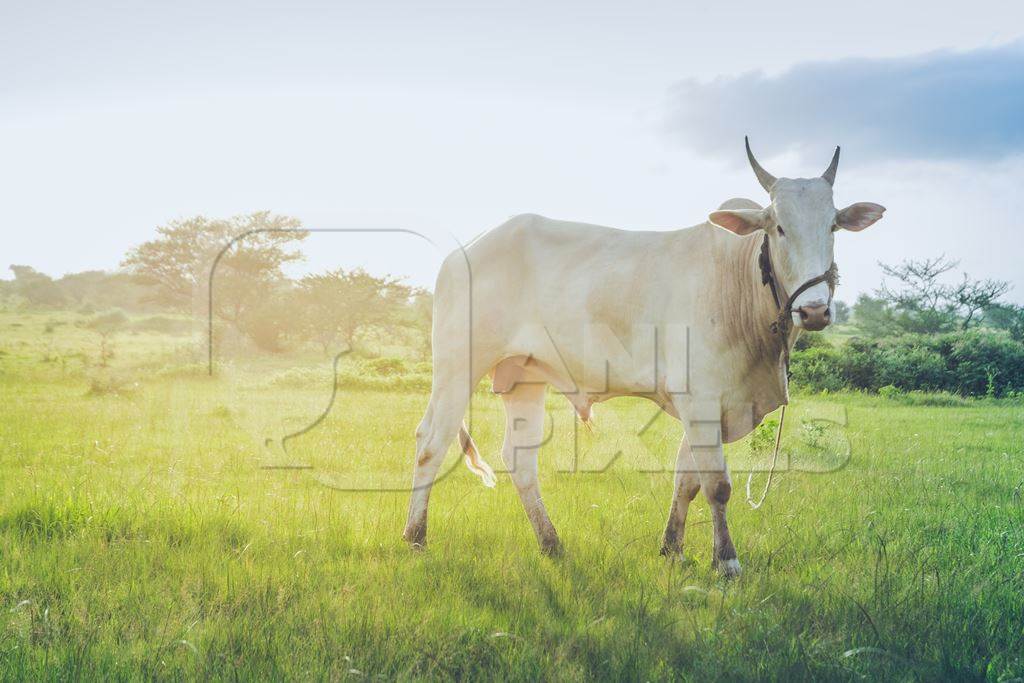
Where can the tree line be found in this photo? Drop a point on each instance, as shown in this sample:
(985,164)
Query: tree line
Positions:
(253,298)
(235,268)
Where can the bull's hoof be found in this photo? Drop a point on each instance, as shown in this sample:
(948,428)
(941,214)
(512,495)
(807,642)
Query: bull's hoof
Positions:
(416,536)
(552,548)
(671,550)
(671,542)
(729,569)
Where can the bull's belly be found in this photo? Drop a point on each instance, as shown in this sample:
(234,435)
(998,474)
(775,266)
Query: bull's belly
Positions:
(685,376)
(737,416)
(583,390)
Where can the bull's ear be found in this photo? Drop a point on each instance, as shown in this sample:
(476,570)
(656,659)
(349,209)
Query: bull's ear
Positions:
(740,221)
(858,216)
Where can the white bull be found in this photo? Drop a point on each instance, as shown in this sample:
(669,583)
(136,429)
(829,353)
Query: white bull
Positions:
(681,317)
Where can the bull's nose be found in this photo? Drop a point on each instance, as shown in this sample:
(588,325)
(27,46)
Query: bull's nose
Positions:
(815,317)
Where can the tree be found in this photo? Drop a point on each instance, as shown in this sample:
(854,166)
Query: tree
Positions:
(103,290)
(919,301)
(266,323)
(179,262)
(421,316)
(1009,317)
(971,297)
(874,317)
(9,298)
(842,310)
(36,288)
(337,305)
(244,255)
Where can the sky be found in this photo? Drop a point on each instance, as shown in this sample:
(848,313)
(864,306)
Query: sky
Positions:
(445,119)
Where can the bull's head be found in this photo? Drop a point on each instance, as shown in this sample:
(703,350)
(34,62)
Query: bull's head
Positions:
(801,222)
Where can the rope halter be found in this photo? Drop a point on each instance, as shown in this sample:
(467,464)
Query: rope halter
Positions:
(783,323)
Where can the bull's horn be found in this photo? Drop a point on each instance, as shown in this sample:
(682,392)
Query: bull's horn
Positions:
(830,173)
(764,177)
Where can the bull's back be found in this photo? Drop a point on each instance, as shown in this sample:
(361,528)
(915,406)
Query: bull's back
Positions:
(545,270)
(534,283)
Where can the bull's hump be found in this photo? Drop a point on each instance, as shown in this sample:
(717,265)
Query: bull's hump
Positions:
(739,203)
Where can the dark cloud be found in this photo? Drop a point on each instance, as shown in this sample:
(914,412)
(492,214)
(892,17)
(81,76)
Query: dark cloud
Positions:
(942,105)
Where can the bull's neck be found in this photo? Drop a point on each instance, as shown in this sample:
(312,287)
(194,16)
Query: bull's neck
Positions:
(760,336)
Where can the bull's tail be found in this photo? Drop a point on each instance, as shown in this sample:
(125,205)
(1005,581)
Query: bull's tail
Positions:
(474,462)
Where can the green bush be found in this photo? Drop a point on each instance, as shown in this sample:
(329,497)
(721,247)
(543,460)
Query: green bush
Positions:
(163,324)
(910,364)
(811,340)
(986,363)
(111,384)
(889,391)
(971,363)
(818,369)
(386,366)
(940,399)
(182,370)
(359,375)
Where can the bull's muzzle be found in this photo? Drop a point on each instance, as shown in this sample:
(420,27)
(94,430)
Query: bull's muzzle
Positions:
(814,317)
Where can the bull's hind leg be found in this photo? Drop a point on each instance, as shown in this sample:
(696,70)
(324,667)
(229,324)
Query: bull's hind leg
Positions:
(524,432)
(434,435)
(687,484)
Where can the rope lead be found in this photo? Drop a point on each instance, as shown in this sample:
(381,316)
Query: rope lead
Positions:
(782,326)
(771,470)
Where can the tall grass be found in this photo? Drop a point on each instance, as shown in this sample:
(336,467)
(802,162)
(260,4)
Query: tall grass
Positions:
(141,536)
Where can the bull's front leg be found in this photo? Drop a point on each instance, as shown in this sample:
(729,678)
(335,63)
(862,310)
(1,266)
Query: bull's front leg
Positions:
(687,484)
(704,436)
(717,486)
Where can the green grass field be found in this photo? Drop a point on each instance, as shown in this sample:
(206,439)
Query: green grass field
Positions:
(142,536)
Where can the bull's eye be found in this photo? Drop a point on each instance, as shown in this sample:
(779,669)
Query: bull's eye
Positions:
(782,233)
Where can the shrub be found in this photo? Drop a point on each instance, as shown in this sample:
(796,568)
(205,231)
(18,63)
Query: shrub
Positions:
(357,375)
(182,370)
(818,369)
(265,327)
(985,363)
(811,340)
(386,366)
(908,363)
(941,399)
(889,391)
(296,378)
(971,363)
(107,384)
(163,324)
